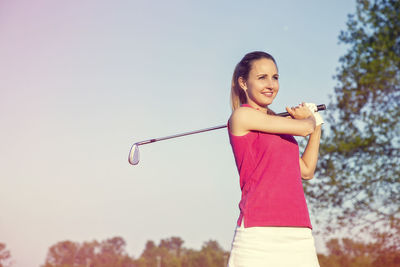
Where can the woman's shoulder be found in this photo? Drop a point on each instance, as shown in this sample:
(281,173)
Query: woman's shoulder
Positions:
(239,119)
(238,115)
(243,111)
(244,114)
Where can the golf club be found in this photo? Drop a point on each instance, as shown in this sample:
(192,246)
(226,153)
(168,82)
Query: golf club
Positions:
(133,157)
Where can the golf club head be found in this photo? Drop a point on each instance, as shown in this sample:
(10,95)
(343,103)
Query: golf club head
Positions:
(134,155)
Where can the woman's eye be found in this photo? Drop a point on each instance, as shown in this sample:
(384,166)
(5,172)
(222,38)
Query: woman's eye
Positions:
(276,77)
(261,77)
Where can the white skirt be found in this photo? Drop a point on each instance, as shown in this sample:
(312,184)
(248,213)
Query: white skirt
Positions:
(273,247)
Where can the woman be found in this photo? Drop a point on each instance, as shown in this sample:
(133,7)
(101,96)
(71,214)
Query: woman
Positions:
(274,227)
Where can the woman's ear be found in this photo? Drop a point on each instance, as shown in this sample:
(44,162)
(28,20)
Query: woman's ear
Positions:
(242,83)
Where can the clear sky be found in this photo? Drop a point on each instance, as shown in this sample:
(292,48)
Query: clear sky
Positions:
(81,81)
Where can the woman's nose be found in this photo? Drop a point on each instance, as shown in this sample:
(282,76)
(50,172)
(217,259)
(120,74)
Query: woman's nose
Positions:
(269,83)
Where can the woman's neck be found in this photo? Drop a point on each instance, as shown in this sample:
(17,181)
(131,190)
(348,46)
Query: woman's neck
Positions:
(255,106)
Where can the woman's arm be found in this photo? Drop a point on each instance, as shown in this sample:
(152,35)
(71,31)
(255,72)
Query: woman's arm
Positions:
(246,119)
(308,161)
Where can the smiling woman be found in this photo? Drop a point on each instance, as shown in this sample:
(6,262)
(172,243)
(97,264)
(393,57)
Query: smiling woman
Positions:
(261,85)
(263,65)
(274,220)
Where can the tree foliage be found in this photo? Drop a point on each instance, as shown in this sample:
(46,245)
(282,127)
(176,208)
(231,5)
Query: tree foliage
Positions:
(5,256)
(359,173)
(111,252)
(348,253)
(171,253)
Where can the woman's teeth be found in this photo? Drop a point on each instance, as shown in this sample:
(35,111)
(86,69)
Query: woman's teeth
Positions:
(268,94)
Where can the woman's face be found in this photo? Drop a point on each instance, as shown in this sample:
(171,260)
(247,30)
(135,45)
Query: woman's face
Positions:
(262,85)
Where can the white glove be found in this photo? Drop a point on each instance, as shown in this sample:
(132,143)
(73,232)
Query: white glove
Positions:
(317,116)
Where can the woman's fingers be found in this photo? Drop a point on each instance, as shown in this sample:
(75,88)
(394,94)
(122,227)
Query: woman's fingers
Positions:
(299,112)
(290,111)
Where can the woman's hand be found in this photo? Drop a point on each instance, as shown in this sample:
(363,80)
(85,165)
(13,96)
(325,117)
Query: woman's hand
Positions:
(300,112)
(314,110)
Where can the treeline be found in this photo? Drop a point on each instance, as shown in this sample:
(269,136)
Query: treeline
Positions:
(111,253)
(170,252)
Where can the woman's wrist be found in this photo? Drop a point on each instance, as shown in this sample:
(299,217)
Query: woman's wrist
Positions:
(312,119)
(317,131)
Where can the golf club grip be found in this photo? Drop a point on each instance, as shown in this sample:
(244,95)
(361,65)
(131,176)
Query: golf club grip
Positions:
(319,107)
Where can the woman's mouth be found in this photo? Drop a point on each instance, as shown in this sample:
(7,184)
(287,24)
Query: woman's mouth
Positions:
(268,94)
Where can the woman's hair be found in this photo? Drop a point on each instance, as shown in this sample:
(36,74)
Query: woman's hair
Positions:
(242,69)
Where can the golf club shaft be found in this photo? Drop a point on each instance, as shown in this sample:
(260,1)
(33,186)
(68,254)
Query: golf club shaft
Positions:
(179,135)
(283,114)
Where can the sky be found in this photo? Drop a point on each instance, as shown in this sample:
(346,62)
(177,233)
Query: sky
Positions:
(81,81)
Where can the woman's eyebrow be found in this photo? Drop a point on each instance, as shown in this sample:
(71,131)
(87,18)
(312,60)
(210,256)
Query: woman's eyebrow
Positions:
(264,74)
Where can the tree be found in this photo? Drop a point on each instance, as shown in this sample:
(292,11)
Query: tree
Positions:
(359,169)
(166,254)
(210,255)
(173,244)
(214,253)
(348,253)
(62,254)
(110,252)
(170,253)
(5,256)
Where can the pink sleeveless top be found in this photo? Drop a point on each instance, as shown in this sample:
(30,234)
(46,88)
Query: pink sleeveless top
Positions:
(270,180)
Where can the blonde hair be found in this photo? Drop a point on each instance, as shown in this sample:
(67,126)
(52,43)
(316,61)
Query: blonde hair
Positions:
(242,69)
